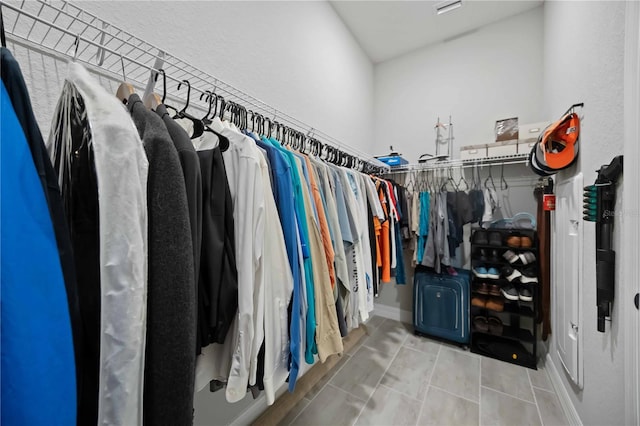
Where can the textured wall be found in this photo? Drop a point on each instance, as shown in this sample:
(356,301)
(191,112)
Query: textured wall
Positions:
(297,56)
(584,63)
(490,74)
(493,73)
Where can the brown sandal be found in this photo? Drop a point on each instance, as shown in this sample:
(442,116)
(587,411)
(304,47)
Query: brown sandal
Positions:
(480,324)
(495,326)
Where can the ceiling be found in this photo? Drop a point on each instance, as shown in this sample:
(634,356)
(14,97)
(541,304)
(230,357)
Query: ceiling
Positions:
(386,29)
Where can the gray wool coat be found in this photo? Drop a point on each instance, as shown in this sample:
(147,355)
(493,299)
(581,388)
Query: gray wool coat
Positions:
(171,299)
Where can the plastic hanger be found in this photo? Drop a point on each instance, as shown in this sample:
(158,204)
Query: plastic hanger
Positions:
(198,125)
(208,99)
(222,106)
(3,38)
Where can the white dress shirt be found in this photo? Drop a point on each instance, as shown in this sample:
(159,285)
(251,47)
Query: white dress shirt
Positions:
(278,288)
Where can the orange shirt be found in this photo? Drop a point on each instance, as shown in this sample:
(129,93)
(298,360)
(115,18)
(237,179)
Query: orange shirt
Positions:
(324,225)
(385,244)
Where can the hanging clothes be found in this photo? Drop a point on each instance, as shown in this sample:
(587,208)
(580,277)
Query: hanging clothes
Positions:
(327,331)
(106,208)
(385,244)
(218,276)
(79,186)
(278,288)
(400,206)
(284,197)
(171,316)
(424,225)
(30,342)
(192,173)
(242,165)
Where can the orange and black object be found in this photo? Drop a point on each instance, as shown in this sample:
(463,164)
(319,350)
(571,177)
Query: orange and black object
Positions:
(599,207)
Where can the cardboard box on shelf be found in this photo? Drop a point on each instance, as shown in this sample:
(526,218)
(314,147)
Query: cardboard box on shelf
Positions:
(473,151)
(529,134)
(507,129)
(498,149)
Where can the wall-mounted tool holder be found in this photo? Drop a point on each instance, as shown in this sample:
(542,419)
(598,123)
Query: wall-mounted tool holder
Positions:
(599,207)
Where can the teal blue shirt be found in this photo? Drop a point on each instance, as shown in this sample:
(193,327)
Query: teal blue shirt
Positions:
(310,347)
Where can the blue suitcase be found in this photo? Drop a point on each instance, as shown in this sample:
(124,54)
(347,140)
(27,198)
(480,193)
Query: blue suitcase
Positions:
(441,305)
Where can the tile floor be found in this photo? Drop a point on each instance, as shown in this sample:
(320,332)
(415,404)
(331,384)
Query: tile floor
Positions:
(395,378)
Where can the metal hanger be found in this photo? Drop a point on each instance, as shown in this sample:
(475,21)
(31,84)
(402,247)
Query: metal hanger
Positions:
(125,90)
(489,178)
(152,100)
(463,180)
(502,179)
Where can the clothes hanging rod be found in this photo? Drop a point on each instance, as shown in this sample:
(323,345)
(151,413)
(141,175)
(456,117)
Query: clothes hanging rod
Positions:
(105,47)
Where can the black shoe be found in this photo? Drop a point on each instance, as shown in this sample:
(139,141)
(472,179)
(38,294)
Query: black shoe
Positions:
(509,292)
(495,239)
(483,255)
(510,274)
(495,257)
(510,256)
(529,275)
(480,237)
(524,293)
(527,258)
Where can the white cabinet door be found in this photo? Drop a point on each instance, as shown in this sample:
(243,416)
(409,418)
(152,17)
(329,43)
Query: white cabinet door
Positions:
(566,274)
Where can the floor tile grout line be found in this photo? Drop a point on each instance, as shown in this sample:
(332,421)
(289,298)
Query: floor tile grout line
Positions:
(322,388)
(535,399)
(380,380)
(327,384)
(397,391)
(472,356)
(336,372)
(298,415)
(514,397)
(453,394)
(348,393)
(417,350)
(544,390)
(424,398)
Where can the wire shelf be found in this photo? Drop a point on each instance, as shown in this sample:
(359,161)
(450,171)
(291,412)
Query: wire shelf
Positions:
(65,28)
(463,164)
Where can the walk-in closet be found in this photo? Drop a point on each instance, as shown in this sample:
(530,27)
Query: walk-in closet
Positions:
(320,212)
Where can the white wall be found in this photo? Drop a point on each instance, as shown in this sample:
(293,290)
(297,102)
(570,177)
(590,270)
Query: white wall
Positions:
(490,74)
(584,53)
(493,73)
(296,56)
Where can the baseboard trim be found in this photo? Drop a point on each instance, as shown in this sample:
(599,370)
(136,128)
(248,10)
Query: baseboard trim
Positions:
(393,313)
(565,400)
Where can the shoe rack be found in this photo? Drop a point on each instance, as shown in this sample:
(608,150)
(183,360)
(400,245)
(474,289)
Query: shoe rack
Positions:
(501,327)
